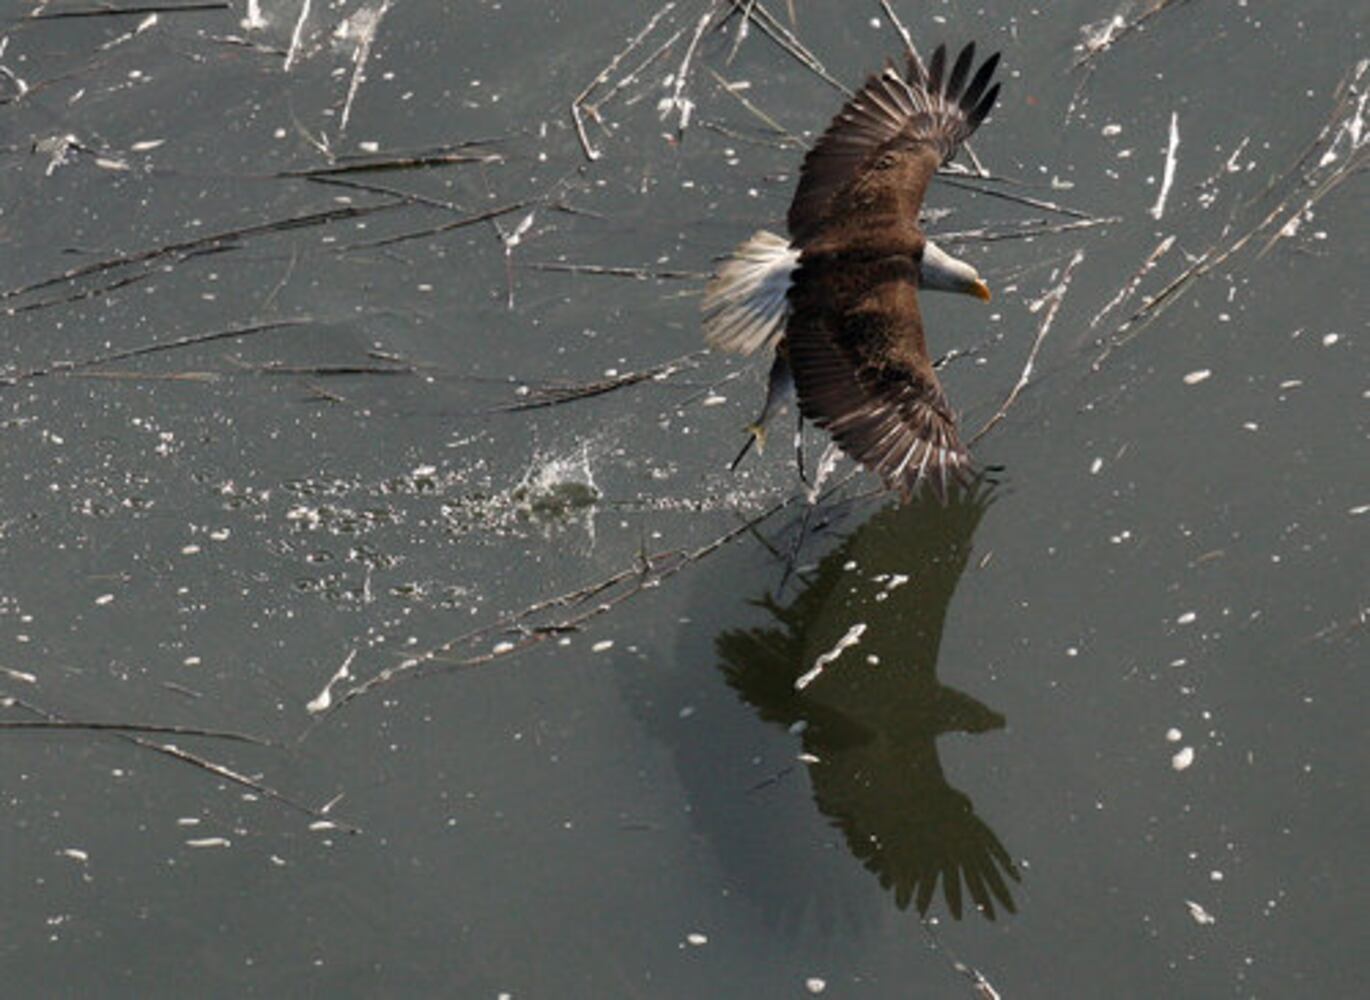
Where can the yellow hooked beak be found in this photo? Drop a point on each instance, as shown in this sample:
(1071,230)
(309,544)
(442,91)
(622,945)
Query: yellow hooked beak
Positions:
(981,291)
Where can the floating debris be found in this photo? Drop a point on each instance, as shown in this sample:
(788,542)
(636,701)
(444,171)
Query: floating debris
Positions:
(1201,916)
(852,637)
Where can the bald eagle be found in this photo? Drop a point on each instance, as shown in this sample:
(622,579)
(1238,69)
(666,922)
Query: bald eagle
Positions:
(838,301)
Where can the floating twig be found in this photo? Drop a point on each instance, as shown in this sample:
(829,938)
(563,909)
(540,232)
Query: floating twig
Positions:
(1020,230)
(555,395)
(212,242)
(1157,210)
(133,727)
(319,815)
(142,8)
(1130,287)
(192,340)
(615,271)
(580,100)
(359,165)
(562,614)
(786,39)
(1052,302)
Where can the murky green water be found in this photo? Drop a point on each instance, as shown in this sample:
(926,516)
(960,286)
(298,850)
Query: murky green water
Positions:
(273,442)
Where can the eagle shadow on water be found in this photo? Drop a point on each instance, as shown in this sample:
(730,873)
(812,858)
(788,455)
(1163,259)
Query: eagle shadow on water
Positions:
(870,719)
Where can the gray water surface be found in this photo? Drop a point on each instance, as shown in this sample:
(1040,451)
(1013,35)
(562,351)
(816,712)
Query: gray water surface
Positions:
(1096,730)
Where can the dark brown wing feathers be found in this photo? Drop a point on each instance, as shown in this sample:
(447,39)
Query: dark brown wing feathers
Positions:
(890,106)
(855,334)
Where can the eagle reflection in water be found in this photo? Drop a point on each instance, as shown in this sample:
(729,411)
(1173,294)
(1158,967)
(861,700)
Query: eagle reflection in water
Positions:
(870,719)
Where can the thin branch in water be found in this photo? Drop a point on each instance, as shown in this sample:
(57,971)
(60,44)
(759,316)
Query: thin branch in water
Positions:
(297,35)
(1346,122)
(225,239)
(1130,286)
(319,815)
(192,340)
(76,725)
(1101,36)
(785,38)
(1020,199)
(379,164)
(361,27)
(1052,302)
(641,273)
(1020,230)
(678,102)
(142,8)
(446,227)
(542,620)
(1157,210)
(580,100)
(735,92)
(555,395)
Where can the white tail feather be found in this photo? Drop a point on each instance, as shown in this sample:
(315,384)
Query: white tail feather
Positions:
(745,305)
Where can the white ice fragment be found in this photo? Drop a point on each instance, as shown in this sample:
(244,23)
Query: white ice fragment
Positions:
(501,648)
(1201,916)
(1095,466)
(815,985)
(209,842)
(104,599)
(696,939)
(254,20)
(76,854)
(1111,129)
(1158,209)
(852,637)
(1328,339)
(1197,376)
(1182,759)
(602,645)
(322,701)
(145,145)
(1173,735)
(1186,618)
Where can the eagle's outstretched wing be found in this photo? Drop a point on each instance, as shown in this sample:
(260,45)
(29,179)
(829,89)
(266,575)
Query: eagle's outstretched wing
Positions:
(931,109)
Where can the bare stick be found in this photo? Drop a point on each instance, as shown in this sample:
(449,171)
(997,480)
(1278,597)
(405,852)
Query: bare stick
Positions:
(1020,230)
(582,606)
(555,395)
(763,116)
(446,227)
(133,727)
(681,104)
(58,367)
(144,8)
(785,38)
(641,273)
(1020,199)
(212,241)
(1130,287)
(204,764)
(297,35)
(576,117)
(1052,301)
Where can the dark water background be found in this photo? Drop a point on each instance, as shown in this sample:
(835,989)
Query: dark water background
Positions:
(255,426)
